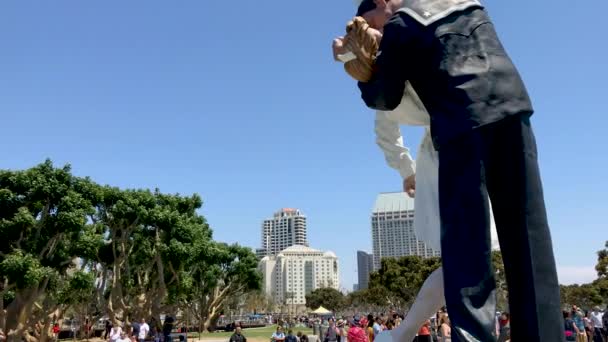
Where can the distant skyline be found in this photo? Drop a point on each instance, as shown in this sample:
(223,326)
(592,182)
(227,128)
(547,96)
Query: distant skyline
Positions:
(567,274)
(243,104)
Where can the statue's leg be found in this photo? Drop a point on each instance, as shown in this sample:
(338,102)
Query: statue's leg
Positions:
(465,239)
(429,300)
(515,187)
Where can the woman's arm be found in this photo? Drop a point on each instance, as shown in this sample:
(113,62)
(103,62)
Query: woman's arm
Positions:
(390,141)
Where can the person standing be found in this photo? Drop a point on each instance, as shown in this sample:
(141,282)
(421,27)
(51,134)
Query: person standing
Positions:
(278,336)
(445,329)
(123,337)
(424,334)
(369,330)
(357,330)
(569,326)
(168,328)
(56,331)
(135,329)
(290,336)
(332,334)
(377,326)
(504,332)
(237,336)
(116,332)
(589,326)
(108,327)
(144,330)
(480,124)
(341,325)
(598,325)
(579,324)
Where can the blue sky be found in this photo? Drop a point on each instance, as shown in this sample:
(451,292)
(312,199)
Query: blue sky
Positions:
(244,105)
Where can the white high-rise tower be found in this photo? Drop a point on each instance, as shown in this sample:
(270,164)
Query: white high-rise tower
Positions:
(393,229)
(287,228)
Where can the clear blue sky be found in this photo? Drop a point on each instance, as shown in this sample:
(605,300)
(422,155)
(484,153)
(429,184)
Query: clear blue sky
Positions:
(241,102)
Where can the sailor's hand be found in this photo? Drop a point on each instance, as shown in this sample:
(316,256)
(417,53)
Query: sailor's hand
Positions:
(338,47)
(409,185)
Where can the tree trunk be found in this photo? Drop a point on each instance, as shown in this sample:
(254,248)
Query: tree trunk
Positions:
(201,326)
(207,326)
(210,321)
(2,313)
(29,338)
(17,314)
(44,331)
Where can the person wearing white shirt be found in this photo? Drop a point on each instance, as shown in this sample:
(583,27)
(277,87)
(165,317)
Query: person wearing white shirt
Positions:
(123,337)
(596,319)
(144,329)
(115,333)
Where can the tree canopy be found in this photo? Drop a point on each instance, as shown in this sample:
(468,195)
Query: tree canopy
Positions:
(69,243)
(327,297)
(398,281)
(590,294)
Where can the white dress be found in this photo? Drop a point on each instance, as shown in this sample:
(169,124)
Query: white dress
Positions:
(411,112)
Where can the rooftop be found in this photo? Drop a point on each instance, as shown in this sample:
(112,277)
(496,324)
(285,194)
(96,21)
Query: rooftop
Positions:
(298,249)
(288,212)
(393,201)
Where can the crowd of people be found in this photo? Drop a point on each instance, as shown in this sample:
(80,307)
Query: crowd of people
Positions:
(579,326)
(585,326)
(139,332)
(360,328)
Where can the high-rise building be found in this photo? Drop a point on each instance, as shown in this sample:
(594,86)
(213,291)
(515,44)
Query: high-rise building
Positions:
(365,266)
(393,229)
(296,271)
(287,228)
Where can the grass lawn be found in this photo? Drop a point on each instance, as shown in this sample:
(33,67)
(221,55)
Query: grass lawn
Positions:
(252,335)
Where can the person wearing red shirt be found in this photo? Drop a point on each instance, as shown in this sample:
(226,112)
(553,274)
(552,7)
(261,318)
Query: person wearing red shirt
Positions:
(56,330)
(356,332)
(424,334)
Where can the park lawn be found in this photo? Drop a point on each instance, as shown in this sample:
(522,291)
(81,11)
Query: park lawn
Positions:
(252,334)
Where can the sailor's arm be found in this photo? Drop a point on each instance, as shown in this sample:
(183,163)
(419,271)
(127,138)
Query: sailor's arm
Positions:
(385,90)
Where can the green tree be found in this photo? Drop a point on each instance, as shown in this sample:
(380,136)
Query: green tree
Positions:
(150,238)
(216,273)
(403,278)
(327,297)
(601,283)
(594,293)
(257,301)
(502,292)
(602,262)
(585,296)
(44,229)
(398,281)
(601,286)
(368,300)
(69,243)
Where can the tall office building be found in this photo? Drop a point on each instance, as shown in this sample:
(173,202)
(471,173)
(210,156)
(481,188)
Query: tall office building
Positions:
(287,228)
(296,271)
(393,228)
(365,266)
